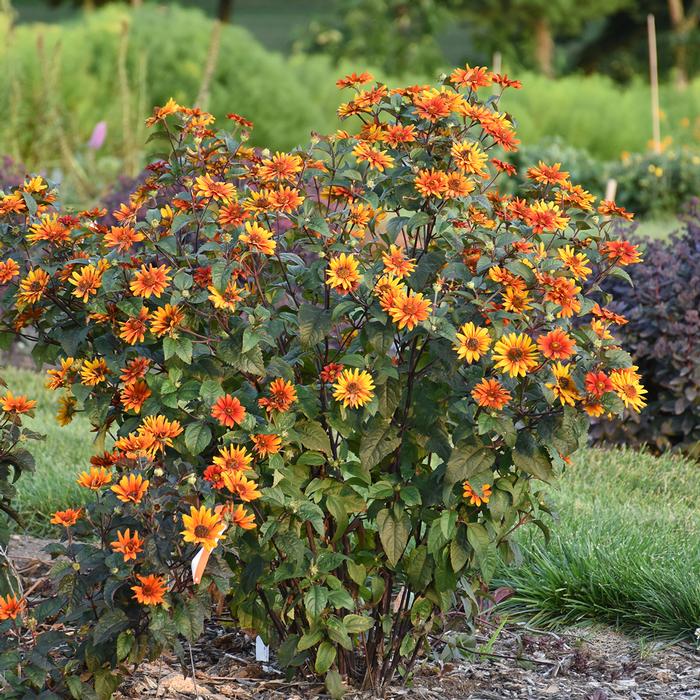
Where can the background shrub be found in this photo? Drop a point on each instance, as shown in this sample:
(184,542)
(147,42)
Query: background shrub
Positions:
(663,333)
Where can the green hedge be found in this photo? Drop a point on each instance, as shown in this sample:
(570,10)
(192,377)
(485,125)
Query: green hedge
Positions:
(166,54)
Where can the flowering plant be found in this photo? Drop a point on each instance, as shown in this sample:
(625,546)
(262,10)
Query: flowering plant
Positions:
(338,371)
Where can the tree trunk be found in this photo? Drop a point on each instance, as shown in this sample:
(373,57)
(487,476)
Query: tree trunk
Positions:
(544,47)
(225,10)
(682,25)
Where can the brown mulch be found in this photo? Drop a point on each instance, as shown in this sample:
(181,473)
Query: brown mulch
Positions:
(522,663)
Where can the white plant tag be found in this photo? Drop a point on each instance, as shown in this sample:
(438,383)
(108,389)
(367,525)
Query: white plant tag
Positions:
(262,651)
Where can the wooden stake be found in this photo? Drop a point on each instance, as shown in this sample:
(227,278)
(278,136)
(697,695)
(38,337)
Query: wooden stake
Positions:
(654,80)
(497,61)
(611,190)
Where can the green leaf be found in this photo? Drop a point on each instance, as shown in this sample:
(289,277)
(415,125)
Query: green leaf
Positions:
(334,685)
(310,639)
(315,602)
(110,624)
(458,555)
(197,437)
(325,656)
(355,624)
(466,460)
(314,324)
(106,684)
(484,549)
(537,463)
(379,439)
(419,569)
(125,642)
(180,347)
(313,437)
(393,534)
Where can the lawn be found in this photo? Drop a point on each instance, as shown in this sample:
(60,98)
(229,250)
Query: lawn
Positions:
(625,547)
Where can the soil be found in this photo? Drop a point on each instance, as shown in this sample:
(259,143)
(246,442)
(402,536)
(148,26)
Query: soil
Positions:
(522,663)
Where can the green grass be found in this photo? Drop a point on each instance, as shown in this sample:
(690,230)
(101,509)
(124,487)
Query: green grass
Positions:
(626,549)
(59,458)
(658,228)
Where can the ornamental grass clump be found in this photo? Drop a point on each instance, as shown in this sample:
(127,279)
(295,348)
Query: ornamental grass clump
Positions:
(334,376)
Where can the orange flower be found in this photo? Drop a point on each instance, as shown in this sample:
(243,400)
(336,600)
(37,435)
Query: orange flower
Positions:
(95,479)
(122,238)
(11,607)
(151,590)
(354,388)
(458,186)
(86,281)
(232,458)
(282,396)
(431,183)
(608,208)
(564,293)
(246,489)
(228,410)
(205,186)
(343,273)
(598,383)
(556,345)
(515,354)
(258,239)
(33,286)
(133,330)
(396,264)
(226,299)
(129,545)
(282,166)
(8,270)
(241,518)
(490,393)
(16,404)
(51,228)
(159,113)
(166,320)
(135,369)
(398,133)
(285,199)
(94,372)
(160,431)
(133,396)
(266,445)
(150,281)
(621,252)
(131,488)
(476,499)
(374,157)
(548,174)
(469,158)
(203,527)
(67,518)
(408,310)
(330,372)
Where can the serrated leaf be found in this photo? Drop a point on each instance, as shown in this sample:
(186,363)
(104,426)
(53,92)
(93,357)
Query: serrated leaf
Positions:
(197,437)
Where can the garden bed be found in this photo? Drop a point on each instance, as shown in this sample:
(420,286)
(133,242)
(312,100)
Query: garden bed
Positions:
(577,664)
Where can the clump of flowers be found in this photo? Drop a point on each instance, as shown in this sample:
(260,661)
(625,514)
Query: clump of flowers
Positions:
(333,374)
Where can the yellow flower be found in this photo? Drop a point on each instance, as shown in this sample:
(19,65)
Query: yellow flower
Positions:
(343,273)
(515,354)
(472,342)
(354,388)
(202,526)
(563,386)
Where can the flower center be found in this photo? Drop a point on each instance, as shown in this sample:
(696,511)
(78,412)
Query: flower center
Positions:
(201,531)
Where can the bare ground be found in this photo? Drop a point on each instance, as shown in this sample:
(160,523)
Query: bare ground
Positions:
(575,664)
